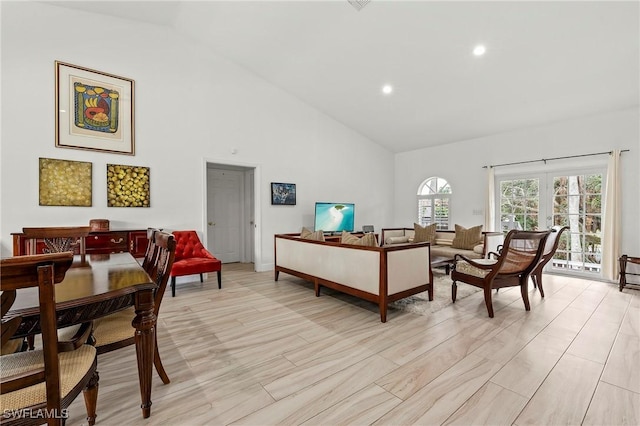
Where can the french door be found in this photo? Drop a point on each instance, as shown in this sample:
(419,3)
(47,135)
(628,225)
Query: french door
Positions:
(568,198)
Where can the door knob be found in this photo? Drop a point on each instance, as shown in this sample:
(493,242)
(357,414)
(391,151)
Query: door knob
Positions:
(211,223)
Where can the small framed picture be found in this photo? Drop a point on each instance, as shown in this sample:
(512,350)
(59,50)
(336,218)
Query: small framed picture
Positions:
(283,194)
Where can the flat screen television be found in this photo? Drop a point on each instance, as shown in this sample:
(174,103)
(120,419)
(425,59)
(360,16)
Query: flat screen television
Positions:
(334,217)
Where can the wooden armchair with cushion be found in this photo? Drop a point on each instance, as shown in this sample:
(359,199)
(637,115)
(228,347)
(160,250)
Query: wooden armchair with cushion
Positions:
(629,271)
(520,254)
(51,378)
(192,258)
(550,247)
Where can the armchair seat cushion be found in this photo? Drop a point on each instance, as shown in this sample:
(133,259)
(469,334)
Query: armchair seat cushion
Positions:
(468,269)
(195,265)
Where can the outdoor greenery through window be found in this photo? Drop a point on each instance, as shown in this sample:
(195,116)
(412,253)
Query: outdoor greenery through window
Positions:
(573,200)
(578,204)
(519,204)
(433,202)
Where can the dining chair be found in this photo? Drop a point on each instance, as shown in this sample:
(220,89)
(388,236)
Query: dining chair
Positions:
(550,247)
(149,261)
(38,386)
(148,264)
(57,239)
(519,255)
(115,331)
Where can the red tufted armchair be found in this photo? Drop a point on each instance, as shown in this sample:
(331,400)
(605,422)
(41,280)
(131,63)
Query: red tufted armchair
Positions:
(192,258)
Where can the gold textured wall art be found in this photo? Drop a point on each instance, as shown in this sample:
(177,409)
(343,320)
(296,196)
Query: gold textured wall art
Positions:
(65,183)
(127,186)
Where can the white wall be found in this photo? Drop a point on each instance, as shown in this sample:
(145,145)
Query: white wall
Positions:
(461,164)
(191,105)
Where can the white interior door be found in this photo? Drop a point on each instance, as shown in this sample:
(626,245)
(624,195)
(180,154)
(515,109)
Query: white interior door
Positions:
(224,213)
(250,220)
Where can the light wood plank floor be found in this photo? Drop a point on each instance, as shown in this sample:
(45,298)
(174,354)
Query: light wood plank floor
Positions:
(259,352)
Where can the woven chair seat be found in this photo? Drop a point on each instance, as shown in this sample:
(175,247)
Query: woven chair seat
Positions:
(114,328)
(11,346)
(465,267)
(110,329)
(74,365)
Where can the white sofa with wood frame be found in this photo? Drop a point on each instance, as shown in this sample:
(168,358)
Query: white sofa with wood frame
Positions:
(377,274)
(443,242)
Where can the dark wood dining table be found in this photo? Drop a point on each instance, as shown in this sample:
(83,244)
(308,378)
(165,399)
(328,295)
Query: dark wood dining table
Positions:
(97,285)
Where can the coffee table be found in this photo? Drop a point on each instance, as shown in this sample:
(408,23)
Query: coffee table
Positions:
(439,261)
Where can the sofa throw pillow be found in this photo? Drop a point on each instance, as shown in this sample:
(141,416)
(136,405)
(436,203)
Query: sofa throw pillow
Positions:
(347,238)
(467,239)
(478,249)
(424,234)
(310,235)
(396,240)
(368,240)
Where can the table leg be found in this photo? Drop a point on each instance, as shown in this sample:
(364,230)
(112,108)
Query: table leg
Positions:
(145,325)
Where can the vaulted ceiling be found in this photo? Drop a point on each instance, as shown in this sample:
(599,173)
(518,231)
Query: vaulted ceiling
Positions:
(545,61)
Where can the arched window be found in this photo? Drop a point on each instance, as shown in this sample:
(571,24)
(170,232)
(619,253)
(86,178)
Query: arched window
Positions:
(433,202)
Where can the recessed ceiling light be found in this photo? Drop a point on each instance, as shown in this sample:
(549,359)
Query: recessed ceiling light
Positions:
(479,50)
(387,89)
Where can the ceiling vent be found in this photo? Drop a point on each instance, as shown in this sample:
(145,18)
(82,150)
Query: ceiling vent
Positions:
(359,4)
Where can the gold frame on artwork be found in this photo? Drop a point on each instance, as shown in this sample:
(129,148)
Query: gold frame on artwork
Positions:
(128,186)
(65,183)
(94,110)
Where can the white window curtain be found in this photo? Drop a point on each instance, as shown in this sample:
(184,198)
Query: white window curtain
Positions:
(611,219)
(490,205)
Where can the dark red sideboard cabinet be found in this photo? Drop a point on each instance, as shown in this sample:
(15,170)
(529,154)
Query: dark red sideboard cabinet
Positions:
(98,242)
